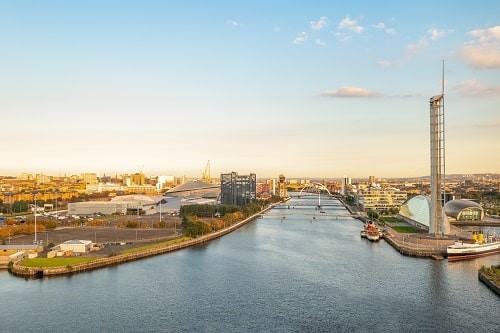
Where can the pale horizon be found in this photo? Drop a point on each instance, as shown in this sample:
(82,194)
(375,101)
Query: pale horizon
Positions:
(318,90)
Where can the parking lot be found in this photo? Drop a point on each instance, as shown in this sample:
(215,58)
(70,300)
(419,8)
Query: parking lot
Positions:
(108,230)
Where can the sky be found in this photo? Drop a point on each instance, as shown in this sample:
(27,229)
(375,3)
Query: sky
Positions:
(300,88)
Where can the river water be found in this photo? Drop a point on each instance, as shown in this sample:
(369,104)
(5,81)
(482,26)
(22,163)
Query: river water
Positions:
(294,270)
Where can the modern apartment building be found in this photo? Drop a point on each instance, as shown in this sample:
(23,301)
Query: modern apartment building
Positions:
(380,199)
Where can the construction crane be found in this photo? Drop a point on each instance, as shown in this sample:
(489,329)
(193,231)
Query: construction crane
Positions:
(205,175)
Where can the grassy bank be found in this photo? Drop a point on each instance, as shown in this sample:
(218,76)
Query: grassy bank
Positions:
(156,245)
(405,229)
(55,262)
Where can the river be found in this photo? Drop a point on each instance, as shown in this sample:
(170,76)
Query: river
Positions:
(294,270)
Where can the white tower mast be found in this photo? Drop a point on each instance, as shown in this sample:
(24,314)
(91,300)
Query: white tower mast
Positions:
(438,225)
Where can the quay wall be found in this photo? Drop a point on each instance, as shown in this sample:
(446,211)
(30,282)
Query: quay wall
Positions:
(411,249)
(18,269)
(489,283)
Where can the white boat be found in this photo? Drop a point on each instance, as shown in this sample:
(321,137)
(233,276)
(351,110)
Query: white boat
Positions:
(373,235)
(461,250)
(371,232)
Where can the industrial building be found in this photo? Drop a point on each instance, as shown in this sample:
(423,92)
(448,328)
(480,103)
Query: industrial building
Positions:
(75,246)
(121,205)
(195,189)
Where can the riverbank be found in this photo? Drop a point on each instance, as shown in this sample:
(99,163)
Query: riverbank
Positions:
(19,270)
(416,245)
(490,277)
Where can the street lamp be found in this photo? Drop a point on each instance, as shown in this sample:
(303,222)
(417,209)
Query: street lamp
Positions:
(161,201)
(35,210)
(56,192)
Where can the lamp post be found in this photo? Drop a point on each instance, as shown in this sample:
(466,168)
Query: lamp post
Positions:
(56,193)
(161,201)
(35,210)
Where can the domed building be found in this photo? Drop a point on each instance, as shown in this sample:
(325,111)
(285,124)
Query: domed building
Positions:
(464,210)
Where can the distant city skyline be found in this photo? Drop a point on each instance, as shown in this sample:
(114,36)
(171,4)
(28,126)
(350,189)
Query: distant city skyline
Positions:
(318,90)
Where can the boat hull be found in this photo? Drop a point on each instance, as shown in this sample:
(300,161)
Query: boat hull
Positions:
(455,252)
(373,236)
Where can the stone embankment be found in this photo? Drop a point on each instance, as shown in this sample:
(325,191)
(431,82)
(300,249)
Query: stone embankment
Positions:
(417,245)
(20,270)
(488,282)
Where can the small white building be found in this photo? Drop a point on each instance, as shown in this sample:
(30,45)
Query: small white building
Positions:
(76,246)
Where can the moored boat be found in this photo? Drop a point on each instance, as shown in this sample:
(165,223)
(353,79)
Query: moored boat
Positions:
(463,250)
(373,235)
(371,232)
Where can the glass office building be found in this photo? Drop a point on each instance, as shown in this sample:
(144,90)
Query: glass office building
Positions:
(238,190)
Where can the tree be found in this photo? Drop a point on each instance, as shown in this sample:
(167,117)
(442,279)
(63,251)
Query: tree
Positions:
(372,214)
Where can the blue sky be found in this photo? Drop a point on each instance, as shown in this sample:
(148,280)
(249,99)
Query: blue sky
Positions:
(316,89)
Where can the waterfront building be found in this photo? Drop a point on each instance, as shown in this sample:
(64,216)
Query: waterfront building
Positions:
(271,184)
(76,246)
(237,189)
(262,190)
(346,185)
(381,199)
(464,210)
(416,211)
(282,192)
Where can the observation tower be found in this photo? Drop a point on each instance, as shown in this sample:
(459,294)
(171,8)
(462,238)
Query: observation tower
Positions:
(438,223)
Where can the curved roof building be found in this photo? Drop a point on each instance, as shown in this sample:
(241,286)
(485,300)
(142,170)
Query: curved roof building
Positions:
(464,210)
(416,211)
(195,189)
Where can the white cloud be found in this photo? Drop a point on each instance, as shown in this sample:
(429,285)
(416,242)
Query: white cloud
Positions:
(486,35)
(390,31)
(436,34)
(383,26)
(342,37)
(422,43)
(474,88)
(385,63)
(233,23)
(349,92)
(320,24)
(484,50)
(348,23)
(320,43)
(301,38)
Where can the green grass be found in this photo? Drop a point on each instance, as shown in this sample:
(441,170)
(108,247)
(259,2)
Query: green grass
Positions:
(156,245)
(405,229)
(388,219)
(493,273)
(55,262)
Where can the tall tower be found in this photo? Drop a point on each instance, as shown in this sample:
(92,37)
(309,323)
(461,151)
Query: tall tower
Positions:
(438,225)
